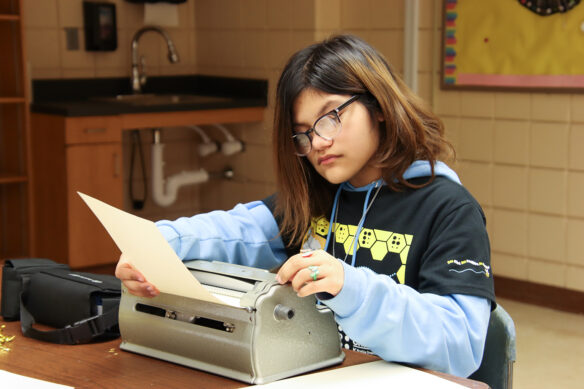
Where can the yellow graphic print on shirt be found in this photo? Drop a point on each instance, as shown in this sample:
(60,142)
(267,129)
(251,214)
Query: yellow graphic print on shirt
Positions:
(379,242)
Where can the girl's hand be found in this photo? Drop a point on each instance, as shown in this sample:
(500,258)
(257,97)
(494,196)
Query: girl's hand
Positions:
(313,272)
(133,280)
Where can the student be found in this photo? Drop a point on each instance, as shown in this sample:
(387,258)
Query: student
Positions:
(359,155)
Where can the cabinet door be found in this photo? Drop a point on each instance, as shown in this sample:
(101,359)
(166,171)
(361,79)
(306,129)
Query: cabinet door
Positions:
(96,170)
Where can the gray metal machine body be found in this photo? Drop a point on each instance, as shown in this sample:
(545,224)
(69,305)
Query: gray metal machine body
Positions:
(274,334)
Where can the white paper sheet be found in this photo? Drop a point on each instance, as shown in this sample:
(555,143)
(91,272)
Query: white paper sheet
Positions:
(146,249)
(378,374)
(11,380)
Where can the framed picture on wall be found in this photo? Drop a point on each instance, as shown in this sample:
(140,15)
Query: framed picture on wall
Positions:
(513,45)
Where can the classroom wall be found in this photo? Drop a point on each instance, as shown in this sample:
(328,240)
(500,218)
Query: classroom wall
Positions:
(520,154)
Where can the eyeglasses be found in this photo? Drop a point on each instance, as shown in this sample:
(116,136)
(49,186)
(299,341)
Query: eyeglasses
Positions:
(327,127)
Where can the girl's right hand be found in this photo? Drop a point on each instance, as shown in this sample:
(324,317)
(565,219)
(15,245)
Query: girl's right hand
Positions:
(133,280)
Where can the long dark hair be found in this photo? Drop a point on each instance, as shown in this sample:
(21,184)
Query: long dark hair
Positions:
(347,65)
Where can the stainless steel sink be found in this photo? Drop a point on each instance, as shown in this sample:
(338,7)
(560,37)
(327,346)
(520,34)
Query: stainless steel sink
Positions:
(161,99)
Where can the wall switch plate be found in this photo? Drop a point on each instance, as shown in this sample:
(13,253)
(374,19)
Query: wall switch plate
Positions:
(72,38)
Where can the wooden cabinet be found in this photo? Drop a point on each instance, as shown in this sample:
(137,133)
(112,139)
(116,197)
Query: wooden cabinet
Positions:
(84,154)
(15,177)
(75,155)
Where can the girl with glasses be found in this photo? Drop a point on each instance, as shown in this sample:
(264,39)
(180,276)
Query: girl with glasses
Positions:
(367,215)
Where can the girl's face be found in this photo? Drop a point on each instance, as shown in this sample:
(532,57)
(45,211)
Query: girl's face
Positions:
(347,157)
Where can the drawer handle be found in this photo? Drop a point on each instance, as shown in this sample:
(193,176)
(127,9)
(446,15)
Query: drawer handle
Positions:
(94,130)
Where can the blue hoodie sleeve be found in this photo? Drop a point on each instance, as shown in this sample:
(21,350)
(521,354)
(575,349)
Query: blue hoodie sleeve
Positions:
(444,333)
(246,235)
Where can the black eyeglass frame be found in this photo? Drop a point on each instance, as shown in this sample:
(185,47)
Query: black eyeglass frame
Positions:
(336,112)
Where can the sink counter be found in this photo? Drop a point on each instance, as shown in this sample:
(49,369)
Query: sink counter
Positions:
(77,131)
(97,97)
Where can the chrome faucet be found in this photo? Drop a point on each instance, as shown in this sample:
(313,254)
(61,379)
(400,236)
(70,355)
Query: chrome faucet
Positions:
(138,74)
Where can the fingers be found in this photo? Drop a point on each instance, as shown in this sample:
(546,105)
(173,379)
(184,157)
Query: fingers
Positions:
(134,281)
(313,272)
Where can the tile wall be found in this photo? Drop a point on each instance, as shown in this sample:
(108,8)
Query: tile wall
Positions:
(520,154)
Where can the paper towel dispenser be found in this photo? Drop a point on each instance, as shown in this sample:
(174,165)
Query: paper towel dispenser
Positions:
(100,26)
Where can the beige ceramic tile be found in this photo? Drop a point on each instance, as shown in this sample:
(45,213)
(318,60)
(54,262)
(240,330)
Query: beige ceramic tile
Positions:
(509,266)
(509,232)
(255,49)
(574,277)
(547,237)
(279,49)
(426,51)
(40,13)
(43,48)
(133,15)
(553,107)
(576,194)
(254,14)
(42,73)
(512,105)
(576,146)
(546,273)
(387,14)
(447,103)
(255,164)
(207,48)
(549,145)
(205,13)
(327,14)
(547,191)
(227,14)
(119,58)
(299,39)
(575,242)
(78,73)
(477,178)
(425,88)
(452,130)
(577,108)
(426,16)
(279,14)
(76,59)
(70,13)
(476,140)
(355,14)
(510,187)
(302,14)
(511,142)
(390,44)
(477,104)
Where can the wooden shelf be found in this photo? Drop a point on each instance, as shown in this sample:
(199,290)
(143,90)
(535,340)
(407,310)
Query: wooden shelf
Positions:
(12,100)
(9,17)
(15,156)
(12,179)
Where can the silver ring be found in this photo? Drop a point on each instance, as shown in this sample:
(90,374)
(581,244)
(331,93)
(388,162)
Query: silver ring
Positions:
(313,272)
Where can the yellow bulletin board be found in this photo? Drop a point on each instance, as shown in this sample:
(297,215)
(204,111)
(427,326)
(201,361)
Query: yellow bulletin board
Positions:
(502,44)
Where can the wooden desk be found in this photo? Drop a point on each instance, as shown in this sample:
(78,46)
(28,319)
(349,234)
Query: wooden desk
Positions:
(104,365)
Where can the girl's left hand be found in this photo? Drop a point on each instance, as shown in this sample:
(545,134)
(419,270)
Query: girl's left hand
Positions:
(301,269)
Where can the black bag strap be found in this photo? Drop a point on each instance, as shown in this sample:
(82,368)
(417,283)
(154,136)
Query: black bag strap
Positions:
(83,331)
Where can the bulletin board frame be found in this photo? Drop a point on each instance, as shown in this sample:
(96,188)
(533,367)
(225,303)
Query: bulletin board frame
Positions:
(473,55)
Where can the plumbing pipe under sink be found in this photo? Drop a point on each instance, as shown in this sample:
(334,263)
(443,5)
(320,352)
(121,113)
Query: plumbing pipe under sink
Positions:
(164,191)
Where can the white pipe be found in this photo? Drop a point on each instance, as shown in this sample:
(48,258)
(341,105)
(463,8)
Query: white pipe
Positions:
(231,145)
(411,43)
(164,191)
(208,146)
